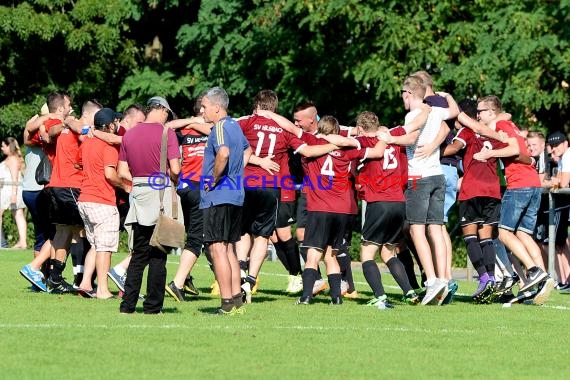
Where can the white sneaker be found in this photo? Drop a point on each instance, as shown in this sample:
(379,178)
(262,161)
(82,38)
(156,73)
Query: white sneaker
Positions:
(320,286)
(381,303)
(434,290)
(290,281)
(246,287)
(296,284)
(441,297)
(343,287)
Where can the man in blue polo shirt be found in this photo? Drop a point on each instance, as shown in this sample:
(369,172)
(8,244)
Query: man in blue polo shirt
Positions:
(222,195)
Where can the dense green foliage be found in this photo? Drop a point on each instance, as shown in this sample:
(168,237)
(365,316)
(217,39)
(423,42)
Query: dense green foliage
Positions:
(347,55)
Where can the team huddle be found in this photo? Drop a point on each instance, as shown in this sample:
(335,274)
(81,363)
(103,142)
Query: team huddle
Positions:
(244,182)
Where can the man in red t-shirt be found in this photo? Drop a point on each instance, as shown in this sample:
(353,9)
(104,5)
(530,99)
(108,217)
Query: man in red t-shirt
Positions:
(520,202)
(97,204)
(133,114)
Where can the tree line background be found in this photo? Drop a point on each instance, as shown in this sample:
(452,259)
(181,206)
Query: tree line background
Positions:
(346,55)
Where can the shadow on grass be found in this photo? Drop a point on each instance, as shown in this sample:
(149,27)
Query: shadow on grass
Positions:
(165,310)
(209,310)
(462,299)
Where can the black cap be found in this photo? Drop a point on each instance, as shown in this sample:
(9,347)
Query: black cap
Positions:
(556,138)
(105,116)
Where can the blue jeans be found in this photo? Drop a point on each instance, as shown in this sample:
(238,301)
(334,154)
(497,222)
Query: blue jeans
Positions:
(30,199)
(451,179)
(519,209)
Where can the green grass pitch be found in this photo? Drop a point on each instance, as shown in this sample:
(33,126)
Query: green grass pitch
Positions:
(44,336)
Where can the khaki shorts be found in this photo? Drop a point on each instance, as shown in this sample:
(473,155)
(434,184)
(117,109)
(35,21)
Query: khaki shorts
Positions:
(101,225)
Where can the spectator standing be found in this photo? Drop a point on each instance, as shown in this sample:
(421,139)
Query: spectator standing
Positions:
(35,199)
(139,160)
(558,142)
(11,170)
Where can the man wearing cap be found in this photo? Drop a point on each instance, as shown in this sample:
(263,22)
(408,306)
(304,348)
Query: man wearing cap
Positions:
(131,116)
(139,162)
(97,205)
(559,145)
(222,195)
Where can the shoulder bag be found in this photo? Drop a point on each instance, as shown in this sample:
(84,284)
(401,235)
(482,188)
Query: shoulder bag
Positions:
(169,232)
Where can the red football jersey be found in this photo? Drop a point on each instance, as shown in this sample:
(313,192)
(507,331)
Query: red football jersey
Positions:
(480,178)
(518,175)
(402,155)
(50,149)
(381,179)
(192,145)
(328,181)
(288,192)
(96,155)
(64,172)
(267,138)
(121,131)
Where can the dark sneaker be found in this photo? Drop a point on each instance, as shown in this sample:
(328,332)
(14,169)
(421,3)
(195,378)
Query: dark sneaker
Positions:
(452,288)
(411,298)
(87,293)
(505,285)
(303,301)
(336,301)
(221,311)
(535,275)
(523,296)
(62,287)
(176,293)
(505,297)
(502,291)
(488,294)
(544,291)
(483,290)
(189,287)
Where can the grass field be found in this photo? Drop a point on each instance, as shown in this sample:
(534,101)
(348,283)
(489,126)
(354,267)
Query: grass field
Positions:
(46,336)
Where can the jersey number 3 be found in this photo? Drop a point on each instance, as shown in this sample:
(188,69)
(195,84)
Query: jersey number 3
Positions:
(390,160)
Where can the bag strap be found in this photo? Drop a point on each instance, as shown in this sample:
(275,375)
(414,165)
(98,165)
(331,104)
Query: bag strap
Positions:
(163,158)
